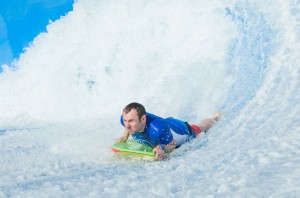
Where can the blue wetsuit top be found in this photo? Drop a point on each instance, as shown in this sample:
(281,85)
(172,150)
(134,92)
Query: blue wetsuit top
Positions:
(162,131)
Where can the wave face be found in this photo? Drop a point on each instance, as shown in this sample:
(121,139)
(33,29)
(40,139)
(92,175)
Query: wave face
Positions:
(61,100)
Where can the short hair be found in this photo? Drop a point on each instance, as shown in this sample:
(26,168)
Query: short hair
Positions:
(140,109)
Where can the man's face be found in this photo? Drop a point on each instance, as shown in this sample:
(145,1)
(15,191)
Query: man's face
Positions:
(132,122)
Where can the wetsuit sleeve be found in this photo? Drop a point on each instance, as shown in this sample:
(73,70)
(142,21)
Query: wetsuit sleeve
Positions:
(161,131)
(121,120)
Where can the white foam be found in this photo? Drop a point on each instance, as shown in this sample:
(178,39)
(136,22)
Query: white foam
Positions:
(102,56)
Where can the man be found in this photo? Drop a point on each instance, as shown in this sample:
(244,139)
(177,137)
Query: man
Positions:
(163,135)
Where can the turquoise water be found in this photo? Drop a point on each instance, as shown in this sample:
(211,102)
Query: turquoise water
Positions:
(21,21)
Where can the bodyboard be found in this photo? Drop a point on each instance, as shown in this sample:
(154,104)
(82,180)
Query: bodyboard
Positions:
(134,148)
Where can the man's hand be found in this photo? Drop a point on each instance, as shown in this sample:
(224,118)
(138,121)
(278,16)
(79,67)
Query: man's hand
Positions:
(159,152)
(123,138)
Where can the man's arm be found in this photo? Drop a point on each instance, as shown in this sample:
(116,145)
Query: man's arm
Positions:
(124,137)
(169,147)
(161,149)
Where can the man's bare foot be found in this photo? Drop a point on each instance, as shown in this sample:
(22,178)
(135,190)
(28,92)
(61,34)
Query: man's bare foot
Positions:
(216,116)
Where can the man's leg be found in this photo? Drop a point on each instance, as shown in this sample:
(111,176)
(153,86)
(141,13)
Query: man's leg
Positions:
(206,124)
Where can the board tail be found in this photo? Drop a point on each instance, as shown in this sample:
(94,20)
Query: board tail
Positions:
(115,150)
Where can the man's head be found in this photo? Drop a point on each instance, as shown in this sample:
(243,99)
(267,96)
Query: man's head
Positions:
(134,117)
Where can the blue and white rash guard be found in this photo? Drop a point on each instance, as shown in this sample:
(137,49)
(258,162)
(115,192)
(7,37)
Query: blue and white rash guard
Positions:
(162,131)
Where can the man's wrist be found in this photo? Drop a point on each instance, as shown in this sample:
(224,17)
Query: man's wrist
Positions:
(163,147)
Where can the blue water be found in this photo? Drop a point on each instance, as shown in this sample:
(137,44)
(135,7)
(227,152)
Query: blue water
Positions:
(21,21)
(61,100)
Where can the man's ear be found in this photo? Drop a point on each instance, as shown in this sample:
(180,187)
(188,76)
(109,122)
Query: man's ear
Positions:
(143,118)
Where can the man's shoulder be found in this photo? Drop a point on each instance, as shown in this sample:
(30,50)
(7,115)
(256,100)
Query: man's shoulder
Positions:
(152,116)
(157,123)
